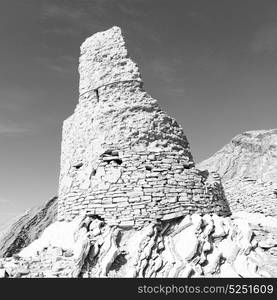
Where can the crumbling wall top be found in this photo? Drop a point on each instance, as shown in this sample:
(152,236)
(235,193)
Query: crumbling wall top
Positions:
(104,60)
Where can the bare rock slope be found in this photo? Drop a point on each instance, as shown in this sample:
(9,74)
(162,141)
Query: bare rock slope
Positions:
(193,246)
(248,168)
(23,230)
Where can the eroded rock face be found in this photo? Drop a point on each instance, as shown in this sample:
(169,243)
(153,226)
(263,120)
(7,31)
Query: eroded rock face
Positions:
(28,227)
(248,168)
(123,158)
(193,246)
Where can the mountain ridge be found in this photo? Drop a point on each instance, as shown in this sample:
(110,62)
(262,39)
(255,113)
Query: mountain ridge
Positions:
(27,227)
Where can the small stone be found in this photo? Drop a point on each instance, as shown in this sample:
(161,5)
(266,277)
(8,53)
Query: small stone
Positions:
(17,275)
(158,264)
(227,271)
(241,266)
(68,253)
(268,243)
(113,175)
(3,273)
(23,272)
(96,231)
(58,266)
(207,246)
(213,261)
(185,273)
(265,274)
(55,251)
(196,221)
(186,243)
(152,157)
(50,274)
(219,230)
(87,222)
(160,246)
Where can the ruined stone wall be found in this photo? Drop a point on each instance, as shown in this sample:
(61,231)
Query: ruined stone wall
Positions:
(132,188)
(123,158)
(248,168)
(251,196)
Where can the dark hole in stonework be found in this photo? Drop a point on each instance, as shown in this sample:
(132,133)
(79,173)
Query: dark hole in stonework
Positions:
(93,216)
(205,173)
(107,152)
(78,166)
(115,159)
(110,152)
(148,168)
(93,173)
(111,155)
(97,95)
(118,161)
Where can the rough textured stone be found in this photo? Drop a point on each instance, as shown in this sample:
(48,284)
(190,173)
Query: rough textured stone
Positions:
(130,252)
(120,148)
(186,243)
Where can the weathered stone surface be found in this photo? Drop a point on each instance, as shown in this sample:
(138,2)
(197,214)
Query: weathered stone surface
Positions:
(227,271)
(119,142)
(186,243)
(268,243)
(130,252)
(104,60)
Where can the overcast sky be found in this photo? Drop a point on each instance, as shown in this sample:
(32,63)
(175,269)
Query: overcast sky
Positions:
(211,64)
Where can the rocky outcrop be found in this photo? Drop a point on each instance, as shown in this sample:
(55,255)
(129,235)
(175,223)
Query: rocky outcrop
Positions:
(193,246)
(265,232)
(248,168)
(123,158)
(27,228)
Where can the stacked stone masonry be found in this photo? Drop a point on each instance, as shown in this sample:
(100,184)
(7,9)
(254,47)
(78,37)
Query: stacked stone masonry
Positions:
(123,158)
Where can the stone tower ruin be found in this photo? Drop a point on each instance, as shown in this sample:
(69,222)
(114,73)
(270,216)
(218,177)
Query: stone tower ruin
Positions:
(122,157)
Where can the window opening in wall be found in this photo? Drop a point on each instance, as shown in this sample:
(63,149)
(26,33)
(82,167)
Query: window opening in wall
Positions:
(112,155)
(148,168)
(186,166)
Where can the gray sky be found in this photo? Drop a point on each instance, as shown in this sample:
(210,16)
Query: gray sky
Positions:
(211,64)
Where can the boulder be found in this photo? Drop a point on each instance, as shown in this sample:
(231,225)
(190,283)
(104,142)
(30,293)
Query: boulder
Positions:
(186,243)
